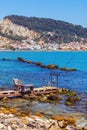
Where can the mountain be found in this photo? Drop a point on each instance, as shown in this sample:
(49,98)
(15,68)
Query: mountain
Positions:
(19,29)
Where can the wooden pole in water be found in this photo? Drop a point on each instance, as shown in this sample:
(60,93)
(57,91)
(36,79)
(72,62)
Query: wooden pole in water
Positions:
(51,78)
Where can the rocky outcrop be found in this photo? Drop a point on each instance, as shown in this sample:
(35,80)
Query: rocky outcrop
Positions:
(68,69)
(52,66)
(8,27)
(9,120)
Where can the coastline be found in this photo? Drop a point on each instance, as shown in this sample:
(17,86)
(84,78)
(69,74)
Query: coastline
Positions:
(43,50)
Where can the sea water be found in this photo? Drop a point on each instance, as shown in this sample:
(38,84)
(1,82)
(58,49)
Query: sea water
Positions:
(28,73)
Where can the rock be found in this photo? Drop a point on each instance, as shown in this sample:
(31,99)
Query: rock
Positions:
(38,63)
(30,97)
(39,115)
(54,98)
(54,127)
(20,59)
(1,126)
(62,124)
(71,127)
(69,119)
(52,66)
(71,93)
(68,69)
(72,101)
(38,122)
(43,66)
(84,128)
(11,115)
(9,128)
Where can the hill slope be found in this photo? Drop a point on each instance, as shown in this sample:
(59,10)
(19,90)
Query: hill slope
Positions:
(46,24)
(41,30)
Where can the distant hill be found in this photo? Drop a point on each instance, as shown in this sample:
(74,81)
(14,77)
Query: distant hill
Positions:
(64,31)
(44,32)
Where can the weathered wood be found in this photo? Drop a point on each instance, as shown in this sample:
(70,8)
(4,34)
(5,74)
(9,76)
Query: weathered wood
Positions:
(10,93)
(36,91)
(20,86)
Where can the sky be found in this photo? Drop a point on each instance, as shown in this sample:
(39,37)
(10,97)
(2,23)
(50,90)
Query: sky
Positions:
(72,11)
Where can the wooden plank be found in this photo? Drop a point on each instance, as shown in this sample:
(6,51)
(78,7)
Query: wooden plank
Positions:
(36,91)
(10,93)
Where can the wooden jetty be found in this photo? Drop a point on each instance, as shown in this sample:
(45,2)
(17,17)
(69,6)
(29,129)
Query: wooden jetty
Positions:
(21,89)
(35,91)
(10,93)
(44,90)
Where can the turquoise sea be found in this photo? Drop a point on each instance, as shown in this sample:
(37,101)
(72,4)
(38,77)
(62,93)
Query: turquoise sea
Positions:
(29,73)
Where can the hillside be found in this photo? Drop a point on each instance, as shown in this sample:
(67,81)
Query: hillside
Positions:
(61,28)
(42,31)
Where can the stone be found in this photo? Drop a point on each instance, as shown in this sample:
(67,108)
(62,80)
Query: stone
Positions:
(72,101)
(69,119)
(68,69)
(14,126)
(84,128)
(62,124)
(54,126)
(71,127)
(1,126)
(9,128)
(52,66)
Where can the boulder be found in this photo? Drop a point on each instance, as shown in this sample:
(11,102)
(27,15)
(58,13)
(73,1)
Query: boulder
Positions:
(64,118)
(52,66)
(72,101)
(68,69)
(20,59)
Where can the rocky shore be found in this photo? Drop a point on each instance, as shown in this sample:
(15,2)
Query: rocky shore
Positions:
(11,119)
(17,114)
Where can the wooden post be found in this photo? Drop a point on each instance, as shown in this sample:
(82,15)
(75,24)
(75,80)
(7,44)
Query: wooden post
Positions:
(51,78)
(57,80)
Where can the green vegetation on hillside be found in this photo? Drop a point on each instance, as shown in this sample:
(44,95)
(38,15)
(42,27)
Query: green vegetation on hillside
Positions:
(61,31)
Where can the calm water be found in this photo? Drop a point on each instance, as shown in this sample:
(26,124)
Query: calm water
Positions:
(76,80)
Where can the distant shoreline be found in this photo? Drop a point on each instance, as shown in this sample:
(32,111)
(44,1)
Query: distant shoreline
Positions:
(45,50)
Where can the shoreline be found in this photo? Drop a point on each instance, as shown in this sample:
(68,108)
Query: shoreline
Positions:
(44,50)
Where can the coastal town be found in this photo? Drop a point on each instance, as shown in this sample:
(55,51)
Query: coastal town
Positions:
(6,44)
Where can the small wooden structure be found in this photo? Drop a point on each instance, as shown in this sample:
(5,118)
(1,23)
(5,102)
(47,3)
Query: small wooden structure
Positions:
(21,89)
(44,90)
(10,93)
(52,75)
